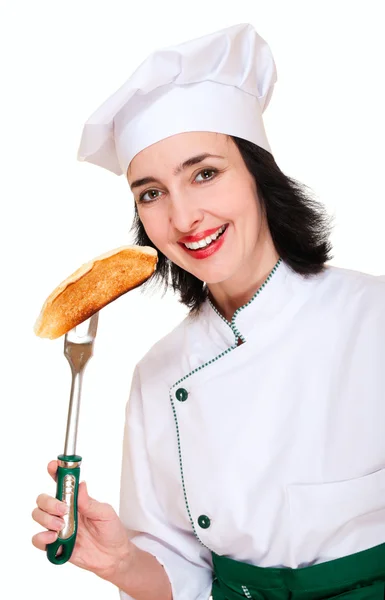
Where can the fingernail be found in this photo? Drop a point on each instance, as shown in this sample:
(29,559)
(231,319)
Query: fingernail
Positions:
(63,508)
(59,523)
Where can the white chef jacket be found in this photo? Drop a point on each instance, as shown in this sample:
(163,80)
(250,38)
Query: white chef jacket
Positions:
(277,445)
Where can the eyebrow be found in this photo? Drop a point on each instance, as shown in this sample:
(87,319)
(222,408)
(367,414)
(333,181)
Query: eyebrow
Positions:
(190,162)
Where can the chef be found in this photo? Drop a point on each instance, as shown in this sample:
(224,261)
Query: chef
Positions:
(254,447)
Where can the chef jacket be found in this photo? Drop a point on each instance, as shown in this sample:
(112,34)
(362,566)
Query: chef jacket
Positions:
(271,452)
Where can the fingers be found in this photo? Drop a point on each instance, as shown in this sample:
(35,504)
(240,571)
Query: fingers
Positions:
(49,521)
(40,540)
(48,513)
(51,505)
(52,469)
(91,508)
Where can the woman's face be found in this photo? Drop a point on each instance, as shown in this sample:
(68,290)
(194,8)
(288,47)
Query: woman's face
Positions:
(189,187)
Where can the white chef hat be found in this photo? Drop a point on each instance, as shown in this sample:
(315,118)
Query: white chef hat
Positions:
(220,82)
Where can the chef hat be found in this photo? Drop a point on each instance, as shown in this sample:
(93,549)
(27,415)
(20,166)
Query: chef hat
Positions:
(220,82)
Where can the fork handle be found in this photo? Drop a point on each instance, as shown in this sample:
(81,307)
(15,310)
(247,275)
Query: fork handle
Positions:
(67,486)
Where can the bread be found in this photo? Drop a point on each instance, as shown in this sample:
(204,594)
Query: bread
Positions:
(94,285)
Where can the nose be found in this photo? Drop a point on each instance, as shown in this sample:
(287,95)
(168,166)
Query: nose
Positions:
(184,214)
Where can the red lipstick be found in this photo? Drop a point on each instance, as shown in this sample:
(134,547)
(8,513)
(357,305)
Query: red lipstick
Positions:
(189,239)
(202,253)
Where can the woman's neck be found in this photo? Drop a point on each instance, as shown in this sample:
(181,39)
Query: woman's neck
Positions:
(227,296)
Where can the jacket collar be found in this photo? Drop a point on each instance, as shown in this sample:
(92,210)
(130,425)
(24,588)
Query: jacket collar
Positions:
(273,301)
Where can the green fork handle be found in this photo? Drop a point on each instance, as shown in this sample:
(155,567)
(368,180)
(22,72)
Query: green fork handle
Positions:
(67,486)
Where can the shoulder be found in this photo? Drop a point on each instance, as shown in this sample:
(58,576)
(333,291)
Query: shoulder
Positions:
(347,291)
(349,281)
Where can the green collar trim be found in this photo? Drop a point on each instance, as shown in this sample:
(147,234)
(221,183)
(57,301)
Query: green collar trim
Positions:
(231,323)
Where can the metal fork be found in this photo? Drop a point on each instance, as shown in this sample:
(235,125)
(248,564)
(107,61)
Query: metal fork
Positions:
(78,349)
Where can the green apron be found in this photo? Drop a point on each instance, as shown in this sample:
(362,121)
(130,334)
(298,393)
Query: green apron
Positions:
(359,576)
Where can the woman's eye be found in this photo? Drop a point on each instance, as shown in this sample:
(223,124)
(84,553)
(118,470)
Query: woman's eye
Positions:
(206,174)
(153,195)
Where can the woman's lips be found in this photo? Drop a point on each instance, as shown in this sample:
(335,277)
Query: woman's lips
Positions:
(189,239)
(208,250)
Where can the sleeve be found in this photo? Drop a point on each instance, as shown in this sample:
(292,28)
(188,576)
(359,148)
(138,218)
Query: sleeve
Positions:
(187,562)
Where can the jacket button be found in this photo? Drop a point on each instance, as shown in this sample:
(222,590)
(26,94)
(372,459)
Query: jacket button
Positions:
(204,522)
(181,394)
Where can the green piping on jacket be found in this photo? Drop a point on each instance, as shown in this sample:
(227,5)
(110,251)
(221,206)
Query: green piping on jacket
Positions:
(237,335)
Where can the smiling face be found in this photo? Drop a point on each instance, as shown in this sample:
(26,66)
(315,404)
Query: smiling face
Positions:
(194,188)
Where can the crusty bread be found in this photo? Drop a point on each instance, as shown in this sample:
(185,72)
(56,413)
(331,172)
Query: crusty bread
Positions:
(94,285)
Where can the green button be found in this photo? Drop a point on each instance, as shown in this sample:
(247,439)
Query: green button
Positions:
(204,522)
(181,394)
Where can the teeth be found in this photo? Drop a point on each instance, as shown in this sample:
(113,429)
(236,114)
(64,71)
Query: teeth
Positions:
(206,241)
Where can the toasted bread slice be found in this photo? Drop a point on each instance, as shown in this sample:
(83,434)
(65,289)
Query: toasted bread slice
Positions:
(94,285)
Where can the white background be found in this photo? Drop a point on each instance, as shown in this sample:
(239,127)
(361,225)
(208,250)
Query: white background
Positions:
(59,62)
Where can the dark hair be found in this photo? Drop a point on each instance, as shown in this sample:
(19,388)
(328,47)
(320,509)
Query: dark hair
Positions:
(298,224)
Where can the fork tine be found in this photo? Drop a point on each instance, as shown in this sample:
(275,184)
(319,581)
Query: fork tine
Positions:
(93,325)
(77,335)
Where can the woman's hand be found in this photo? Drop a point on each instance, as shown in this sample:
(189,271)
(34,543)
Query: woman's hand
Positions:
(102,542)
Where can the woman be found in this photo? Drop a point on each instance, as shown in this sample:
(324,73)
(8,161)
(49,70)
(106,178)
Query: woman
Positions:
(254,455)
